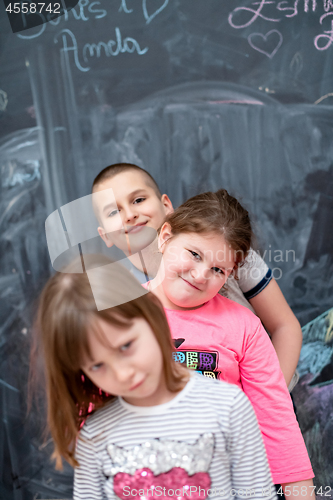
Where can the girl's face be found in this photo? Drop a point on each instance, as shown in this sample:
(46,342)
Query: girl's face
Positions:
(196,266)
(127,362)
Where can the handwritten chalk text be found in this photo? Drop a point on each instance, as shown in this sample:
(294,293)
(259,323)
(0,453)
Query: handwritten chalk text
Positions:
(110,48)
(324,40)
(242,17)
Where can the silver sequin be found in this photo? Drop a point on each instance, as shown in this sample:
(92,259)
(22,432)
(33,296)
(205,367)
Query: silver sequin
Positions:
(162,455)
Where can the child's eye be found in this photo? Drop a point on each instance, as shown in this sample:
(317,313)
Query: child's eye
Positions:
(114,212)
(195,254)
(96,367)
(217,270)
(139,200)
(125,347)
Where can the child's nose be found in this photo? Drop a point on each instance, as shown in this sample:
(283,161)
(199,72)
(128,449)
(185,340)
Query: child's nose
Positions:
(123,373)
(130,214)
(199,274)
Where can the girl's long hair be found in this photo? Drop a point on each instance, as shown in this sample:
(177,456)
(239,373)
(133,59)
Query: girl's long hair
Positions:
(67,312)
(218,213)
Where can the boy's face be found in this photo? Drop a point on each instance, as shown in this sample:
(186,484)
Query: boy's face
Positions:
(134,207)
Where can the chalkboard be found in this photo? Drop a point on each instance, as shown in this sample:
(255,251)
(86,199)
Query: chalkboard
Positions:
(201,93)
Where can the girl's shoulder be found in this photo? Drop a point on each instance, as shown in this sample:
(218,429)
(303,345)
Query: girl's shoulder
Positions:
(229,307)
(101,420)
(219,314)
(211,390)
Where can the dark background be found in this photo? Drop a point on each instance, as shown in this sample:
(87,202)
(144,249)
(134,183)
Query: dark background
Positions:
(201,93)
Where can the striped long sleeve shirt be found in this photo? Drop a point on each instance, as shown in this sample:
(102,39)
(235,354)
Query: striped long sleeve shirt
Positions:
(204,443)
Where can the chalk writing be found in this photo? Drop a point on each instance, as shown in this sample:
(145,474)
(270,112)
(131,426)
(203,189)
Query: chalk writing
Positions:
(86,9)
(294,10)
(110,48)
(306,5)
(123,7)
(99,13)
(74,47)
(129,45)
(328,5)
(242,17)
(40,31)
(327,37)
(81,15)
(255,14)
(260,37)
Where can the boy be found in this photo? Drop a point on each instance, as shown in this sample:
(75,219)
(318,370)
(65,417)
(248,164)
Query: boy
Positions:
(130,221)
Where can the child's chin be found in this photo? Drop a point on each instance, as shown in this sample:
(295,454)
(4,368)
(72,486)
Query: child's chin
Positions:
(187,304)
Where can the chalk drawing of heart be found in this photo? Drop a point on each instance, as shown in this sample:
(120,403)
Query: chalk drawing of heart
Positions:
(260,36)
(148,17)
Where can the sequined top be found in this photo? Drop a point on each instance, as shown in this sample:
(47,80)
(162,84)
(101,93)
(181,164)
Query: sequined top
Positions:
(204,443)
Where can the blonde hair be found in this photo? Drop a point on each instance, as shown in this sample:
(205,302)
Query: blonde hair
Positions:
(67,311)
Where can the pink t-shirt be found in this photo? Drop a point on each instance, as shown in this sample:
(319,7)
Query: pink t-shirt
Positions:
(224,340)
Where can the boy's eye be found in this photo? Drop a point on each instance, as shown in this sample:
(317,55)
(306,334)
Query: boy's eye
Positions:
(195,254)
(139,200)
(125,347)
(114,212)
(217,270)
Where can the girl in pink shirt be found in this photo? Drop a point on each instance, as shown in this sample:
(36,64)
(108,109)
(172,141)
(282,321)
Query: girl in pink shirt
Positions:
(203,242)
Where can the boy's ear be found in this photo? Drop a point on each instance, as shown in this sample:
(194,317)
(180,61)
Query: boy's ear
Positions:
(168,208)
(104,237)
(164,236)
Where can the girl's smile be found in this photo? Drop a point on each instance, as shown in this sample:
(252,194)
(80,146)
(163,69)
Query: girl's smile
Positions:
(190,284)
(196,266)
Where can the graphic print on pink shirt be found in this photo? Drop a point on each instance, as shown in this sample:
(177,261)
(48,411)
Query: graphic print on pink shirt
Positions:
(157,464)
(203,362)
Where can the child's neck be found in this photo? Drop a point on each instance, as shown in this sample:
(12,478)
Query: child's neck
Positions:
(148,260)
(161,396)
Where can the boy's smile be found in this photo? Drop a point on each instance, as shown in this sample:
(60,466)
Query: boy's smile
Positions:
(133,207)
(136,228)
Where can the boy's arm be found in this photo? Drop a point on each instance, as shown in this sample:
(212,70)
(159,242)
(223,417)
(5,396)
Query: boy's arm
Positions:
(279,320)
(264,295)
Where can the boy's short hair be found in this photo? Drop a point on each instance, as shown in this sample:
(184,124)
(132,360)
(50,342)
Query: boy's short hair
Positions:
(118,168)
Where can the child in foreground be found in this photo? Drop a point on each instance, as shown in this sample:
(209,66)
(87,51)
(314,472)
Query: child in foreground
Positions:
(138,205)
(156,429)
(203,242)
